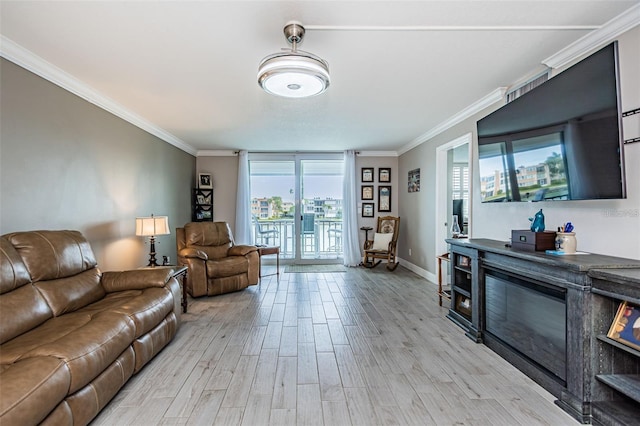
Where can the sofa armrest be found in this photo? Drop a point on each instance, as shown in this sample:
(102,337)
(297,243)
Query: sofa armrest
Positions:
(241,250)
(135,279)
(193,253)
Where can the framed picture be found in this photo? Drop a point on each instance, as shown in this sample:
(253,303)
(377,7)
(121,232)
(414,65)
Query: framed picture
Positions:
(367,192)
(463,305)
(464,261)
(384,174)
(626,325)
(384,198)
(204,181)
(414,180)
(367,209)
(367,174)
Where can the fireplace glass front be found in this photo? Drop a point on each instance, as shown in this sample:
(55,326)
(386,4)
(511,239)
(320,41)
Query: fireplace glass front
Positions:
(528,317)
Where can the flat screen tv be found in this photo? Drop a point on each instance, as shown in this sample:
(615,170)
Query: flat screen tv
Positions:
(560,141)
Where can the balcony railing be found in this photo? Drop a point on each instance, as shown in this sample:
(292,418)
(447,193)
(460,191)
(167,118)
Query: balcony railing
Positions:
(324,241)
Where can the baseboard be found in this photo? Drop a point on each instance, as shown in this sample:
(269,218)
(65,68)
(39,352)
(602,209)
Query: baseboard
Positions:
(418,270)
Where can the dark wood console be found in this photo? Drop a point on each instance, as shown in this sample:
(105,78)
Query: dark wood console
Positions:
(548,316)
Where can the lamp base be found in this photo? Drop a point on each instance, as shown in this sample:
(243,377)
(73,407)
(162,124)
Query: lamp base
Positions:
(152,253)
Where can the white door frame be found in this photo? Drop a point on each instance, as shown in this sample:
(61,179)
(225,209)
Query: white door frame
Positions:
(442,179)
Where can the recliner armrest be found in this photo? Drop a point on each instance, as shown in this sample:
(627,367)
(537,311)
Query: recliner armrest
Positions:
(190,252)
(135,279)
(241,250)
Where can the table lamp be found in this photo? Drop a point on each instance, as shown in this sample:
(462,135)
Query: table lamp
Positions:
(150,227)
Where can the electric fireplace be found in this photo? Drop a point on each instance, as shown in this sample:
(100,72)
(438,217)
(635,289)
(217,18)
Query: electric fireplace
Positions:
(530,318)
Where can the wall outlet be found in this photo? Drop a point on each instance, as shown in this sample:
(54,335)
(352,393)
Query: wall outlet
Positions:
(409,252)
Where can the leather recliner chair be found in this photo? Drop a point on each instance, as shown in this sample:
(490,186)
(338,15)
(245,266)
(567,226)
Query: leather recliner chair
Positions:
(216,264)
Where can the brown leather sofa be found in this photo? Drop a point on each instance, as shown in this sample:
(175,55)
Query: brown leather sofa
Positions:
(216,265)
(71,336)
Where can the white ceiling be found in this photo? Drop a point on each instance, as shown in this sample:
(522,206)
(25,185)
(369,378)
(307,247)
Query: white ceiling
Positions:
(188,69)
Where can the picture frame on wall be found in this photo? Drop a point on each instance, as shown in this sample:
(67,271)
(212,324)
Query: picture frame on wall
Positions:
(205,181)
(626,325)
(367,174)
(414,180)
(368,209)
(384,198)
(384,174)
(367,192)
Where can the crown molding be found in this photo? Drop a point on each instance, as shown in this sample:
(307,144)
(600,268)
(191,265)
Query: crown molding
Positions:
(608,32)
(445,28)
(217,153)
(377,154)
(488,100)
(28,60)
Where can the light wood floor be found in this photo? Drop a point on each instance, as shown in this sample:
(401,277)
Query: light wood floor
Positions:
(365,347)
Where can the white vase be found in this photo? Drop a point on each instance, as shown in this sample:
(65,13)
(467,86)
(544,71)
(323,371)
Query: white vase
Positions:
(566,242)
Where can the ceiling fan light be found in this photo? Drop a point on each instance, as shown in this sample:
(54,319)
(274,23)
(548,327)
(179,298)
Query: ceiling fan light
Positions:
(293,75)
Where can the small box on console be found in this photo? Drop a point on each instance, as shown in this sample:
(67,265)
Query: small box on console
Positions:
(526,240)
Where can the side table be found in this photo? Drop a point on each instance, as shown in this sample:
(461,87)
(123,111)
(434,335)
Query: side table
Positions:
(442,293)
(263,251)
(180,274)
(366,230)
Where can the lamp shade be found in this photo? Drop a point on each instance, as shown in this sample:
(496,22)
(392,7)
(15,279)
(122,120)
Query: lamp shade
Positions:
(152,225)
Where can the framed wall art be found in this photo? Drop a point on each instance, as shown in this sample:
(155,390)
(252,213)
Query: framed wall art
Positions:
(384,174)
(367,174)
(414,180)
(384,198)
(205,181)
(367,192)
(367,209)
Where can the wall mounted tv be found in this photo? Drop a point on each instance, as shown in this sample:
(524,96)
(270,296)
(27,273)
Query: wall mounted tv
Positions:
(560,141)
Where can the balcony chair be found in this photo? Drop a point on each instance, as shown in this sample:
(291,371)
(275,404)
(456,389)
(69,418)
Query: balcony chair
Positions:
(383,245)
(216,265)
(264,233)
(309,237)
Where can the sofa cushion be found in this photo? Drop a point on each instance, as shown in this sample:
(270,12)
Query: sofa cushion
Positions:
(32,388)
(146,308)
(13,271)
(49,255)
(227,267)
(22,310)
(72,293)
(86,343)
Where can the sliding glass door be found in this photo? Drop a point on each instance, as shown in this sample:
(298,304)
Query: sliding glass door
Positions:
(296,204)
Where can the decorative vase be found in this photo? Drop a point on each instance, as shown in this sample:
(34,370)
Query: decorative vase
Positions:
(566,242)
(455,227)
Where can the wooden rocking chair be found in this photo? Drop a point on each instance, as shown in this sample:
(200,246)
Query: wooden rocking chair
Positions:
(383,245)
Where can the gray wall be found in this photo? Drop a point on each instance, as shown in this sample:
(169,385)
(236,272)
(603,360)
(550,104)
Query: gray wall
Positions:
(224,173)
(602,226)
(67,164)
